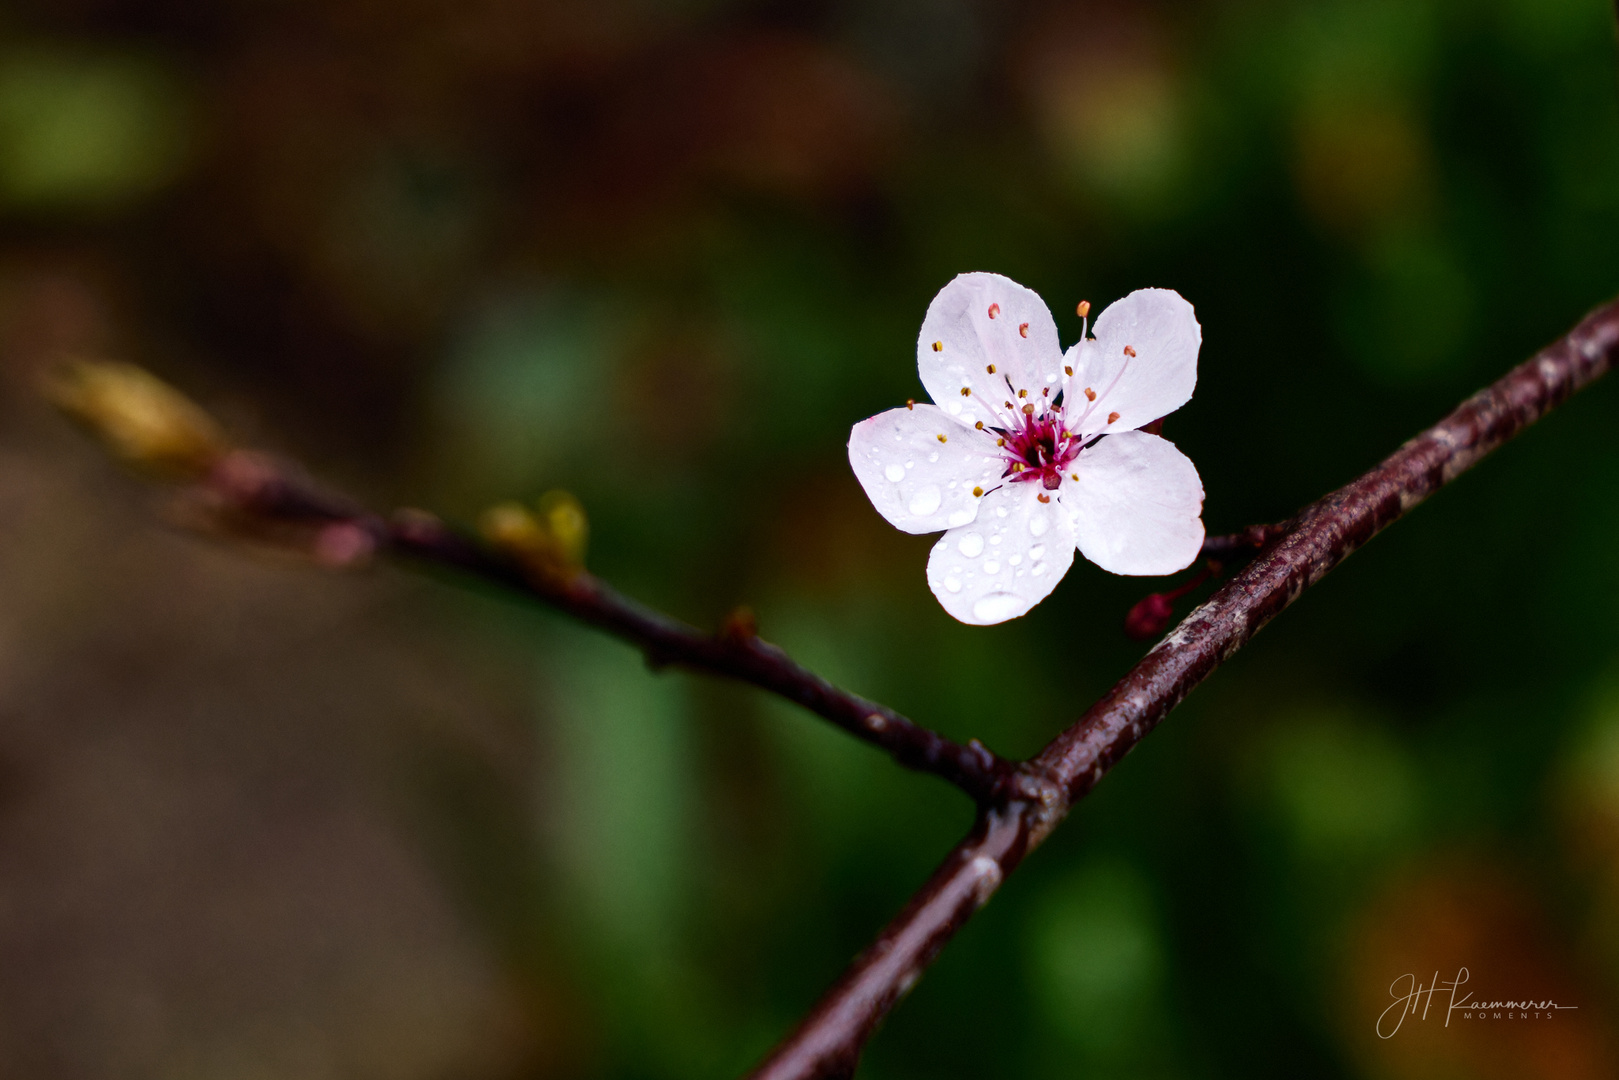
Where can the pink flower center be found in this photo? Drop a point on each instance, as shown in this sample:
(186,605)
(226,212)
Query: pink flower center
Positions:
(1040,449)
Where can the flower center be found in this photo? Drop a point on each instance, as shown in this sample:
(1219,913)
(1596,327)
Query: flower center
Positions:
(1039,448)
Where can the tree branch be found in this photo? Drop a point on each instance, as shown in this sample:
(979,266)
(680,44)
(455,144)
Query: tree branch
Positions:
(252,493)
(829,1040)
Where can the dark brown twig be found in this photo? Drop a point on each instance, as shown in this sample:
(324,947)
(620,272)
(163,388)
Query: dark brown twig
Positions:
(829,1040)
(253,493)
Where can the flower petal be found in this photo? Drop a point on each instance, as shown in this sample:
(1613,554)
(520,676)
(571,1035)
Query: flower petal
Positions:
(1136,506)
(1142,365)
(917,482)
(961,340)
(1007,561)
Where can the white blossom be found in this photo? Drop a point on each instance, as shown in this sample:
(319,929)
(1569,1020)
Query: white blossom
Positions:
(1030,452)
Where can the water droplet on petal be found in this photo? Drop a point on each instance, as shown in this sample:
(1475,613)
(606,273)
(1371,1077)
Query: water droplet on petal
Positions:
(1037,524)
(1037,552)
(895,473)
(960,517)
(997,607)
(954,408)
(992,567)
(933,456)
(971,545)
(1015,559)
(953,584)
(1039,569)
(926,501)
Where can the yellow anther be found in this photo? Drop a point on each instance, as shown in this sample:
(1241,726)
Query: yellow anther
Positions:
(1022,393)
(943,439)
(978,492)
(910,403)
(1067,370)
(965,392)
(979,425)
(990,369)
(1084,308)
(938,346)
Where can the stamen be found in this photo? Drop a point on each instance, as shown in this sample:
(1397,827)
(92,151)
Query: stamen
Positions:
(1023,330)
(1017,466)
(1022,393)
(979,425)
(994,310)
(1009,405)
(1045,391)
(1073,476)
(1000,442)
(1043,497)
(1128,351)
(1028,410)
(1084,308)
(938,346)
(910,403)
(1090,395)
(966,392)
(1112,416)
(978,492)
(1067,370)
(990,369)
(943,439)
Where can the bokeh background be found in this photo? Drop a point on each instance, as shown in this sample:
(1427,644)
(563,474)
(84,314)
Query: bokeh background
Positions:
(259,820)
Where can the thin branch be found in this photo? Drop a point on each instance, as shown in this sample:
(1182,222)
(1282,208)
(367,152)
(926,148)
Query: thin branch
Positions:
(253,494)
(829,1041)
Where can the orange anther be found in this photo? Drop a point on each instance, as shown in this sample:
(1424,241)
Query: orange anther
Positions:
(1112,416)
(1084,308)
(1043,497)
(1128,351)
(994,310)
(1090,395)
(1023,330)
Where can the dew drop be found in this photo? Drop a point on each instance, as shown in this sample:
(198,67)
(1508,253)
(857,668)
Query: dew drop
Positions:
(933,456)
(926,501)
(1037,552)
(960,517)
(996,539)
(992,567)
(997,607)
(1039,569)
(1015,559)
(1037,524)
(895,473)
(953,584)
(971,545)
(954,408)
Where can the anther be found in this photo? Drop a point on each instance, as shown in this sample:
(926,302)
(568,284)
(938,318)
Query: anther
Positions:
(1008,404)
(938,346)
(979,425)
(1128,351)
(1045,391)
(1017,466)
(1043,497)
(994,310)
(1022,393)
(990,369)
(1073,476)
(943,439)
(1090,395)
(978,492)
(1028,410)
(1084,308)
(1067,370)
(1000,442)
(1112,416)
(966,392)
(1023,330)
(910,403)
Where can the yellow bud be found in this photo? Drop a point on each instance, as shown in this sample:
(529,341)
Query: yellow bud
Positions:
(564,520)
(510,526)
(141,419)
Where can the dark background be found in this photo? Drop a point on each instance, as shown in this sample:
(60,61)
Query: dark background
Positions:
(259,820)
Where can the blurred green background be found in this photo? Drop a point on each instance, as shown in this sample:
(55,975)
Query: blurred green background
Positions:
(261,821)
